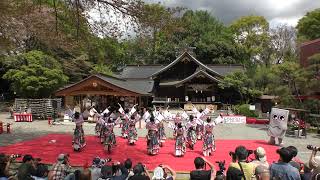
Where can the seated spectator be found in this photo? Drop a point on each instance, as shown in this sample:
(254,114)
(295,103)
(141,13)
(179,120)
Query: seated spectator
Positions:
(140,172)
(128,166)
(241,169)
(106,172)
(77,174)
(261,158)
(295,162)
(282,169)
(262,172)
(119,171)
(160,173)
(96,169)
(5,162)
(41,173)
(27,168)
(62,169)
(201,173)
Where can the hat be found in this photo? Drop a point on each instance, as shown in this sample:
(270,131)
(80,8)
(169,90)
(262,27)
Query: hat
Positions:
(61,157)
(261,153)
(158,173)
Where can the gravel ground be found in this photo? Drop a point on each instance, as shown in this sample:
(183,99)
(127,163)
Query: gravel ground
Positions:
(24,131)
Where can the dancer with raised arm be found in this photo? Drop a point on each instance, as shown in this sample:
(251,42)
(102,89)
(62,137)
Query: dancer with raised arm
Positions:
(191,132)
(78,136)
(152,137)
(132,131)
(110,138)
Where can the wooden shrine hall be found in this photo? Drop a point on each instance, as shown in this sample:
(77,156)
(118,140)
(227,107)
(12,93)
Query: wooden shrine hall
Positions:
(183,82)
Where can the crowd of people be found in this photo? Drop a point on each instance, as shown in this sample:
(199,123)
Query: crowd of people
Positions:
(187,128)
(242,166)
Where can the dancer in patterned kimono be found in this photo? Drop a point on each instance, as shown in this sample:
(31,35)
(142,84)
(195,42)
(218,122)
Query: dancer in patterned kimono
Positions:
(152,137)
(103,120)
(78,136)
(177,120)
(180,146)
(208,138)
(132,131)
(126,114)
(110,138)
(191,132)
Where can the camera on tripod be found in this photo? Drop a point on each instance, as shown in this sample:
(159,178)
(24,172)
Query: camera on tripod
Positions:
(311,147)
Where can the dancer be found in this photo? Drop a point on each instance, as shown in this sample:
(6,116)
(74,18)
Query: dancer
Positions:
(126,114)
(152,137)
(191,134)
(100,122)
(180,145)
(103,120)
(177,120)
(78,136)
(110,138)
(208,138)
(132,131)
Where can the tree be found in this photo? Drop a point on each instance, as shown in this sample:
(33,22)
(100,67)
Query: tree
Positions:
(288,82)
(309,26)
(283,43)
(313,73)
(242,83)
(251,32)
(34,74)
(101,69)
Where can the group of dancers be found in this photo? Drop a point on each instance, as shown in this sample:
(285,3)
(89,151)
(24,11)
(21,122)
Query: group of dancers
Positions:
(187,129)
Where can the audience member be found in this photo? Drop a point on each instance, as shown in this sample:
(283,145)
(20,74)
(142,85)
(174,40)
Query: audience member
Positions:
(241,168)
(106,172)
(262,172)
(27,168)
(282,169)
(5,162)
(295,162)
(96,169)
(201,173)
(62,169)
(260,157)
(160,173)
(128,166)
(140,172)
(41,172)
(86,173)
(307,172)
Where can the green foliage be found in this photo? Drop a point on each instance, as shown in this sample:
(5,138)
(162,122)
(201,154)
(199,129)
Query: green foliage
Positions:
(251,32)
(244,110)
(288,80)
(101,69)
(34,74)
(242,83)
(313,73)
(309,26)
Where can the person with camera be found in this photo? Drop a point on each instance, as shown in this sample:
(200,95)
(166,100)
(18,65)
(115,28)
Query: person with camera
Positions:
(62,169)
(5,162)
(140,172)
(201,173)
(160,173)
(240,168)
(314,162)
(283,169)
(41,173)
(27,168)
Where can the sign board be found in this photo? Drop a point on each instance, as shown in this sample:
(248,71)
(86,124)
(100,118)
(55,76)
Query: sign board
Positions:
(234,119)
(252,107)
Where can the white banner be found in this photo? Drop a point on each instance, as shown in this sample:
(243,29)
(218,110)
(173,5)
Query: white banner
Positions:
(234,119)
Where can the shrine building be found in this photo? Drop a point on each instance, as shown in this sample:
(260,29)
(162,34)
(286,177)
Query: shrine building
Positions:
(183,82)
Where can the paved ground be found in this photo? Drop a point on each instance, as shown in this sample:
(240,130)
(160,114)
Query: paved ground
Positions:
(24,131)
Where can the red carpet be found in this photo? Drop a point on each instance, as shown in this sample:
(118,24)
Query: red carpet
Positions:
(42,148)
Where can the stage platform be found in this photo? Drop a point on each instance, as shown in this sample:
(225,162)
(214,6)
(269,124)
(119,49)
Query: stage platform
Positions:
(49,146)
